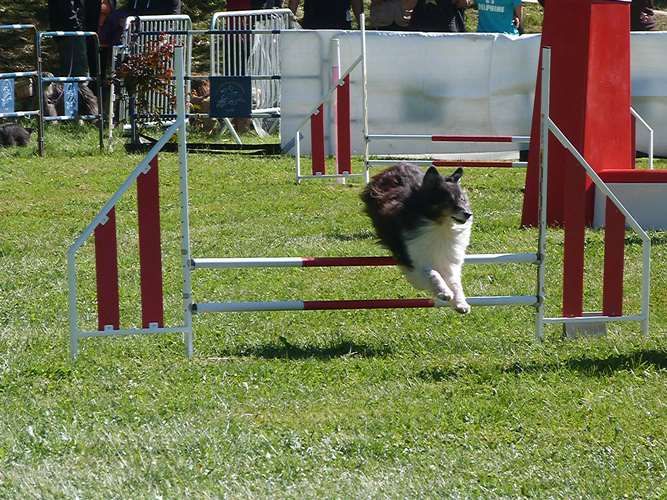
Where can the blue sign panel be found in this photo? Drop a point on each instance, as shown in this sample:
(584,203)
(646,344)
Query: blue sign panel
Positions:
(231,97)
(7,95)
(71,96)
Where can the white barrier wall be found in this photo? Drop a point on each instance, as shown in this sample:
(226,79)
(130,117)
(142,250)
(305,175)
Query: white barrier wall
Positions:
(445,84)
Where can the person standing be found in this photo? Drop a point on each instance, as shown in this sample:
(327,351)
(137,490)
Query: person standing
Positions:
(499,16)
(233,5)
(328,14)
(443,16)
(70,15)
(96,14)
(390,15)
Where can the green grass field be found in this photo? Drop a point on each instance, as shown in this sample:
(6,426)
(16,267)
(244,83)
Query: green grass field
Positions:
(418,403)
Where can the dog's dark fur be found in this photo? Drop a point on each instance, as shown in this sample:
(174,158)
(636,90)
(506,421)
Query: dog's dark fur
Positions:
(402,198)
(425,221)
(12,134)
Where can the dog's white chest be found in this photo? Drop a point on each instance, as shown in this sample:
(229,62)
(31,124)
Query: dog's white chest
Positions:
(438,245)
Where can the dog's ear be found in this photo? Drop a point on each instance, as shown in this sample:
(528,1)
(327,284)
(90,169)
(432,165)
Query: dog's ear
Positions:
(431,178)
(456,176)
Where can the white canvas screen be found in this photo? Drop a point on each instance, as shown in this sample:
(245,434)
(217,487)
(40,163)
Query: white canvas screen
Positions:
(479,84)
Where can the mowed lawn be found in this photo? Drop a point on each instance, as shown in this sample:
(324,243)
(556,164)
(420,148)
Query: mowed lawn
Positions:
(397,403)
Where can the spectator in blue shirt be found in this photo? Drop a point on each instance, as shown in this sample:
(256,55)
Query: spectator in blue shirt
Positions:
(499,16)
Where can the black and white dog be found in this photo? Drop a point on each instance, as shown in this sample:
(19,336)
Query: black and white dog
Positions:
(425,221)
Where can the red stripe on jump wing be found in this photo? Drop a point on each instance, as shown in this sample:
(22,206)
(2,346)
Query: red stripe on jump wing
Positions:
(343,127)
(473,164)
(633,176)
(150,253)
(471,138)
(330,305)
(317,141)
(614,253)
(106,273)
(348,261)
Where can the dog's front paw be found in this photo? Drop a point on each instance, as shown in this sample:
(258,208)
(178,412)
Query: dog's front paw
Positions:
(462,307)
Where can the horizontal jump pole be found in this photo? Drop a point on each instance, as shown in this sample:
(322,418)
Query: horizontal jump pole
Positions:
(479,164)
(451,138)
(588,320)
(238,263)
(338,305)
(455,163)
(344,175)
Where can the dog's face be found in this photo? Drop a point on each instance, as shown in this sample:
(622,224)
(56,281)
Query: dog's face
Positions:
(443,197)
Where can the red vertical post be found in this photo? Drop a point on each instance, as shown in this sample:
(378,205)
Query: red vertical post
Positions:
(574,215)
(150,253)
(614,253)
(344,153)
(106,273)
(317,141)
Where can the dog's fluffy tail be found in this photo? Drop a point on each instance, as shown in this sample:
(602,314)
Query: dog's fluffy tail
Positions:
(387,191)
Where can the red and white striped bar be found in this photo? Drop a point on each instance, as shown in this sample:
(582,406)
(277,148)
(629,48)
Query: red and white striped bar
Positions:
(337,305)
(524,139)
(329,176)
(480,164)
(455,163)
(237,263)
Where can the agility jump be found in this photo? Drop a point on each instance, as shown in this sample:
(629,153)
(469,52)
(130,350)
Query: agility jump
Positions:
(108,325)
(339,95)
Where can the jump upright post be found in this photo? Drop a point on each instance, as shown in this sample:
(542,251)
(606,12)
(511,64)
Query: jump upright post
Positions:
(103,227)
(338,94)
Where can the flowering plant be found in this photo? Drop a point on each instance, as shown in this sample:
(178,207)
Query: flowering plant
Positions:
(149,71)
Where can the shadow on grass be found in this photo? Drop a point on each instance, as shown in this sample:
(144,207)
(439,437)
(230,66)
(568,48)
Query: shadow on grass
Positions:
(358,236)
(596,367)
(590,367)
(285,350)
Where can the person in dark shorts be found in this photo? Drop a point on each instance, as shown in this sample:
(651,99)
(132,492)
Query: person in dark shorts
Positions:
(440,16)
(389,15)
(70,15)
(328,14)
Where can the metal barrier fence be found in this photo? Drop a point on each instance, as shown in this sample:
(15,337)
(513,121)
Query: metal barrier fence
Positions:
(140,34)
(8,80)
(253,51)
(243,44)
(69,82)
